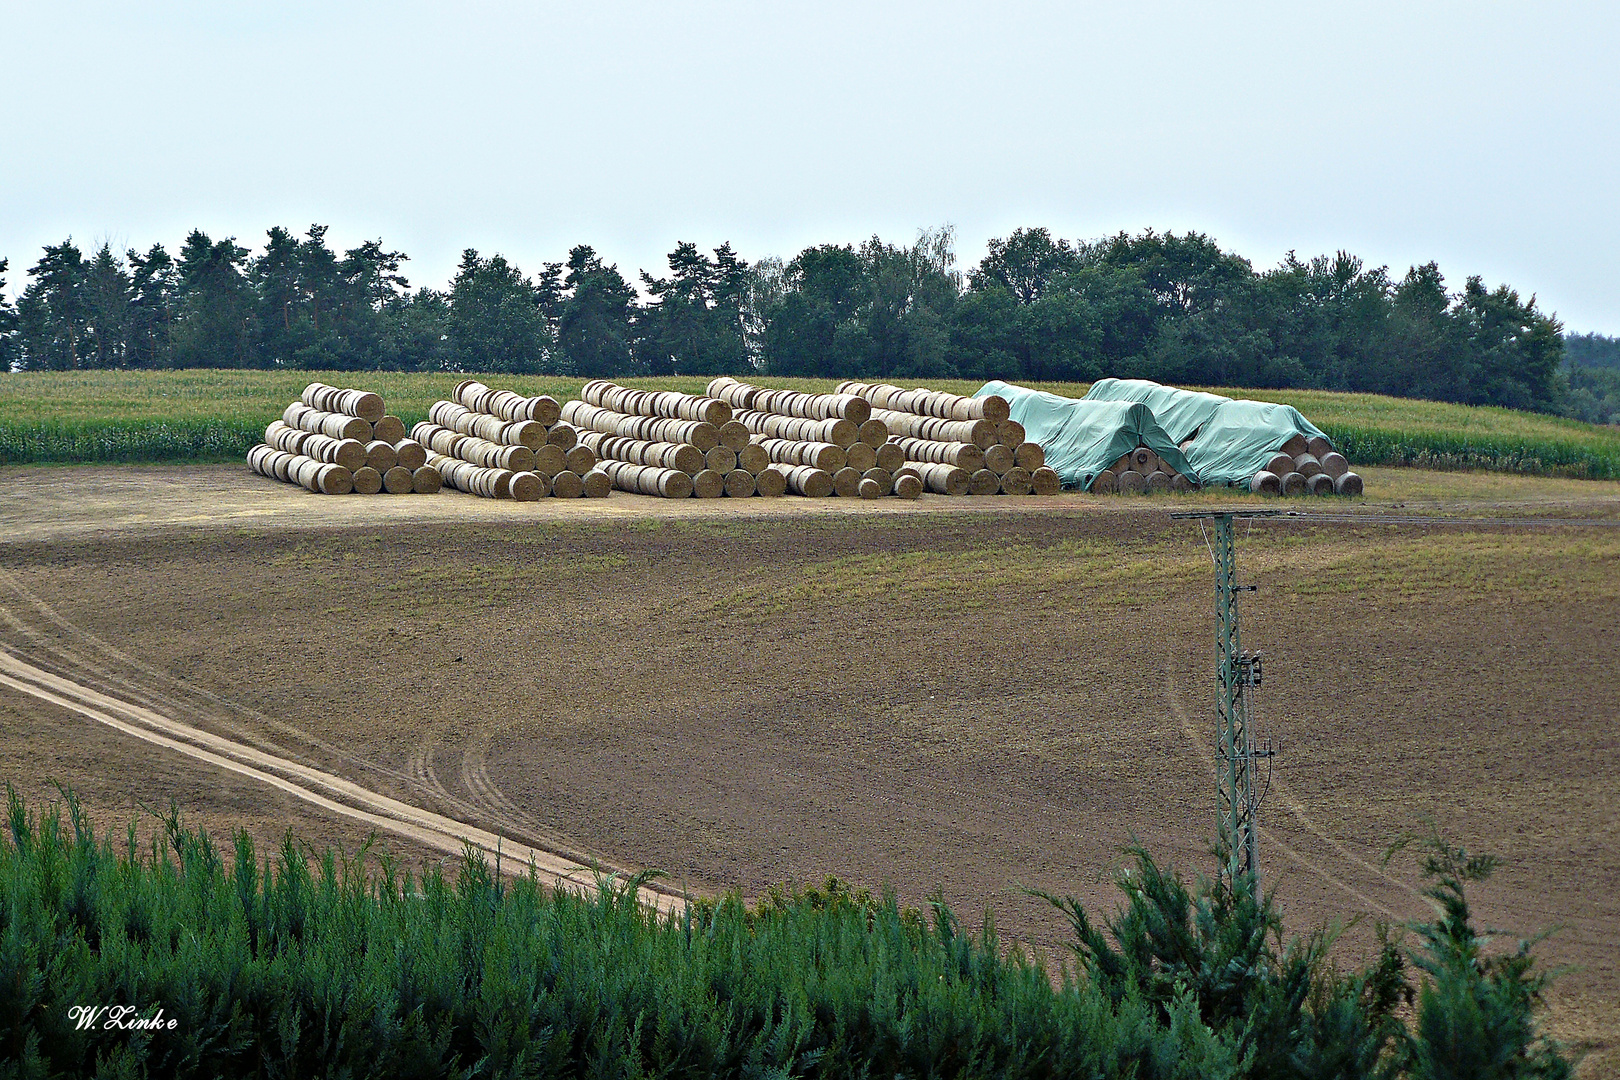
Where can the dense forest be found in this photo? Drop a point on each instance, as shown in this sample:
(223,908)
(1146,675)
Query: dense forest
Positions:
(1155,305)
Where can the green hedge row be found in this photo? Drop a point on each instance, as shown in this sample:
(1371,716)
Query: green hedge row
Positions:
(157,442)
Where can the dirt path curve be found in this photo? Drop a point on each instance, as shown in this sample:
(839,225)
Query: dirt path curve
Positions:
(329,792)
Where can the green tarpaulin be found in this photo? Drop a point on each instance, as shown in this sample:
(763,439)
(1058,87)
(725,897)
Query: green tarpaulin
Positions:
(1232,438)
(1082,438)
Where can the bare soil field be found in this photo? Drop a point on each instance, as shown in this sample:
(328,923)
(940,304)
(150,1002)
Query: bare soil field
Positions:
(966,696)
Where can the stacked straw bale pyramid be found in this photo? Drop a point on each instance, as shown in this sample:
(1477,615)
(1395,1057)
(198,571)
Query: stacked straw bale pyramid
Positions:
(501,445)
(1140,472)
(958,445)
(1306,467)
(335,441)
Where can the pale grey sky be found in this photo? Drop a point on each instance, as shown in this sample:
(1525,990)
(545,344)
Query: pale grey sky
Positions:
(1481,135)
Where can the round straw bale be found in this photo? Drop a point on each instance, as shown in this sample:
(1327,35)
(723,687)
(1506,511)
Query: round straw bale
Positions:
(1180,484)
(1158,482)
(998,458)
(596,484)
(860,457)
(884,478)
(580,459)
(1028,455)
(524,486)
(1307,465)
(411,454)
(873,433)
(367,481)
(390,429)
(984,482)
(381,455)
(869,489)
(889,457)
(561,435)
(907,486)
(721,460)
(284,465)
(739,484)
(1279,465)
(550,460)
(1017,481)
(567,485)
(753,458)
(544,410)
(1045,481)
(364,404)
(1293,483)
(846,483)
(1296,445)
(1010,433)
(334,479)
(500,482)
(1319,484)
(426,480)
(807,480)
(732,435)
(397,480)
(908,468)
(708,484)
(770,482)
(1265,482)
(1334,464)
(1318,447)
(1105,483)
(1144,461)
(1347,484)
(1132,482)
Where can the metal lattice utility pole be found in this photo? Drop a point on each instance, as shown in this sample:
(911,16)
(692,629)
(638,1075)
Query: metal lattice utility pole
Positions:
(1236,674)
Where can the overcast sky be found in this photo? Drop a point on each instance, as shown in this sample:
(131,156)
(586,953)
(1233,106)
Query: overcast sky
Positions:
(1485,136)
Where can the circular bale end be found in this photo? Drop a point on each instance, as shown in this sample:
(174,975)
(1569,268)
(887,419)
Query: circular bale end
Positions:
(982,433)
(907,486)
(1158,482)
(721,459)
(857,410)
(1296,445)
(860,457)
(334,480)
(367,481)
(411,454)
(580,459)
(1318,447)
(770,483)
(999,458)
(889,457)
(869,489)
(398,480)
(753,458)
(873,433)
(562,436)
(525,486)
(984,482)
(349,453)
(1144,461)
(1017,481)
(567,484)
(883,477)
(1347,484)
(390,429)
(597,484)
(714,411)
(352,427)
(426,480)
(549,460)
(1265,482)
(368,406)
(1307,465)
(1106,483)
(1132,482)
(1028,455)
(1279,465)
(996,408)
(1319,484)
(739,484)
(846,483)
(708,484)
(1293,484)
(817,484)
(732,435)
(828,458)
(1044,481)
(1335,464)
(675,485)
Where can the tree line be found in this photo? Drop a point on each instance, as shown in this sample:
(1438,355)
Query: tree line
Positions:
(1155,305)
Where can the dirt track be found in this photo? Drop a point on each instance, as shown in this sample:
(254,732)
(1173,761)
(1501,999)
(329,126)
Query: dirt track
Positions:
(958,699)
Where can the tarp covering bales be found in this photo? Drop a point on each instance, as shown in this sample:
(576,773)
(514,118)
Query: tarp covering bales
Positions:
(1082,438)
(1232,439)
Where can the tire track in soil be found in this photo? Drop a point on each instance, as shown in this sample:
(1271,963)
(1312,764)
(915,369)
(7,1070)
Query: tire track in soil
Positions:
(136,709)
(1179,709)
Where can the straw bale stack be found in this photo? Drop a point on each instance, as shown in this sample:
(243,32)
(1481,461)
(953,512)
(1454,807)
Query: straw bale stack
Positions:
(503,432)
(1318,469)
(1140,472)
(351,431)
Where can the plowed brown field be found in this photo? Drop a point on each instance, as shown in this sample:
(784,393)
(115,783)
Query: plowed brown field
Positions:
(942,696)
